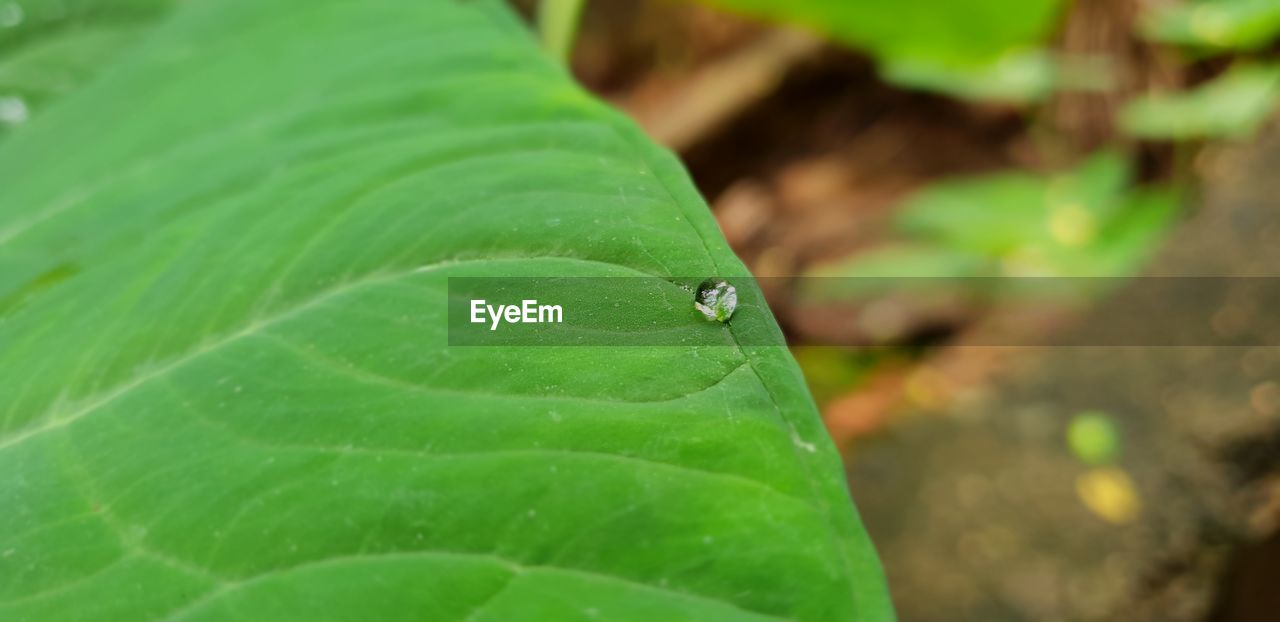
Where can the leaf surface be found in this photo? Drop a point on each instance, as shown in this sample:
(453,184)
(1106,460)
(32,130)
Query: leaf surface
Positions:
(49,48)
(227,390)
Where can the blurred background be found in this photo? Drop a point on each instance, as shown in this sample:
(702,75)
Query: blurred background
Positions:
(1125,139)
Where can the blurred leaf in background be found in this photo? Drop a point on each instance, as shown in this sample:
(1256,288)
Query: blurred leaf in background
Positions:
(911,260)
(933,278)
(1018,76)
(1215,26)
(1233,105)
(975,49)
(1086,222)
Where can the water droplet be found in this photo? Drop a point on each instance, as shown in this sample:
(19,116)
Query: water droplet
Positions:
(800,443)
(10,14)
(716,300)
(13,110)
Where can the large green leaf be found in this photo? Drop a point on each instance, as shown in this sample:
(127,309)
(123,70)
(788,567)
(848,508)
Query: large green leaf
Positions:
(226,386)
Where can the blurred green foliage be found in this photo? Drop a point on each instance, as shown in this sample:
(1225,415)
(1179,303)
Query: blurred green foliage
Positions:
(959,237)
(1233,105)
(910,259)
(978,48)
(1090,221)
(997,49)
(944,31)
(1016,76)
(1094,438)
(1216,26)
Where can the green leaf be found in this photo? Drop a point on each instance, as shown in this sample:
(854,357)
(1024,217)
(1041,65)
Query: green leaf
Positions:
(1085,222)
(227,390)
(1233,105)
(976,49)
(963,235)
(24,21)
(49,48)
(1215,26)
(1016,77)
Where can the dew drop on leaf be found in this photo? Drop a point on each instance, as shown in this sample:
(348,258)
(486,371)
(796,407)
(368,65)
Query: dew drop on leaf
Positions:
(10,14)
(716,300)
(13,111)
